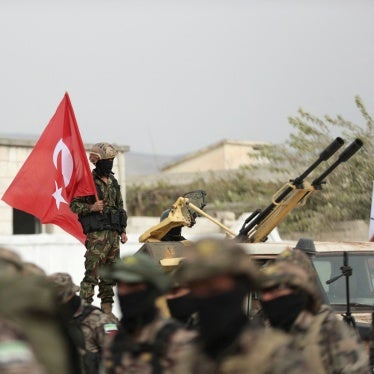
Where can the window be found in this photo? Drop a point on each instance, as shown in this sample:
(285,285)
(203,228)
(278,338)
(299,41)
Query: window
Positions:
(360,282)
(25,223)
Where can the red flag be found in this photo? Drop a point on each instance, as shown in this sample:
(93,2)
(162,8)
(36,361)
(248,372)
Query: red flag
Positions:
(56,170)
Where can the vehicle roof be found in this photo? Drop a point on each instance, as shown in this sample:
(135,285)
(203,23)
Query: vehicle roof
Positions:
(274,248)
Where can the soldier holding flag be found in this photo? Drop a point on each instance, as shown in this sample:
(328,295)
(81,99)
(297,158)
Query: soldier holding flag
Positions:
(104,221)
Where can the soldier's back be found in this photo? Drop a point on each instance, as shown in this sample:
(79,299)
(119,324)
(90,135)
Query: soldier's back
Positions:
(257,351)
(335,346)
(160,346)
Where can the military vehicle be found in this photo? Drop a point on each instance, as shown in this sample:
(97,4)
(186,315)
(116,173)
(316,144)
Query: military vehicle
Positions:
(347,287)
(345,275)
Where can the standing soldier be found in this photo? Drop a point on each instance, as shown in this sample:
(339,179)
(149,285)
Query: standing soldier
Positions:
(104,221)
(146,342)
(291,302)
(220,275)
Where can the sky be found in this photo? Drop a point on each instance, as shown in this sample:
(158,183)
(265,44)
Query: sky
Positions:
(172,76)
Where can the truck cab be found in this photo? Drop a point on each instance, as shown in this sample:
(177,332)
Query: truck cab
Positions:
(328,260)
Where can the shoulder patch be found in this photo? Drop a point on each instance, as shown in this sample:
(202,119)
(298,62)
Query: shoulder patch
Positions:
(110,328)
(15,352)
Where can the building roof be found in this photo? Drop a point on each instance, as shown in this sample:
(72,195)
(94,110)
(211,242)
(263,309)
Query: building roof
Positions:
(21,141)
(254,144)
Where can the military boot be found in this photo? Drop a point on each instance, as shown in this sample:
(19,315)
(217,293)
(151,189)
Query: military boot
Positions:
(106,308)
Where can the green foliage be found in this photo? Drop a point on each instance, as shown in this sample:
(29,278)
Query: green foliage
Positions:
(346,195)
(237,193)
(348,189)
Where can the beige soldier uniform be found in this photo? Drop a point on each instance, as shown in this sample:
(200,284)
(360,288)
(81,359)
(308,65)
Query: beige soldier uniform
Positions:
(332,345)
(146,341)
(220,274)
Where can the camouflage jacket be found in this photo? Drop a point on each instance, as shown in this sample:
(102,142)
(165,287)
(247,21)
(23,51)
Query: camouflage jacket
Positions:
(98,328)
(109,192)
(16,353)
(257,351)
(156,348)
(333,346)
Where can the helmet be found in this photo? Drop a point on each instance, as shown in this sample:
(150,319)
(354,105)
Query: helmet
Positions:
(299,258)
(102,151)
(10,261)
(306,245)
(289,274)
(210,257)
(32,268)
(137,268)
(64,285)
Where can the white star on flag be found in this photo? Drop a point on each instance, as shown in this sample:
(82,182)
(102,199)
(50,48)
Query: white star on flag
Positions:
(58,197)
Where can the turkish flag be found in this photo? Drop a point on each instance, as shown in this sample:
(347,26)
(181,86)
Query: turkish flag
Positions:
(56,170)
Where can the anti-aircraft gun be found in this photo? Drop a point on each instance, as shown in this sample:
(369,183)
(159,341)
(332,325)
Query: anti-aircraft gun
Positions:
(259,224)
(182,213)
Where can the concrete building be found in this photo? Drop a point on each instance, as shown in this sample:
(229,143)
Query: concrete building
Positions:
(221,156)
(13,154)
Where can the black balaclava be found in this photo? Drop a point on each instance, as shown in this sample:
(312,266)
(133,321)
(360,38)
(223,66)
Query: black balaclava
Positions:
(182,307)
(283,311)
(137,308)
(104,167)
(221,319)
(68,309)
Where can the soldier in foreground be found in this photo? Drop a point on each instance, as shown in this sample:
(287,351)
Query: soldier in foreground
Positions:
(179,300)
(220,275)
(89,327)
(291,302)
(146,342)
(104,221)
(32,338)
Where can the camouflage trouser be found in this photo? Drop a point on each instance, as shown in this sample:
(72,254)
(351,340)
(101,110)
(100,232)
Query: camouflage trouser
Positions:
(102,247)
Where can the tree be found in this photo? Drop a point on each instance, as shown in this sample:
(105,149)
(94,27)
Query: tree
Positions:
(348,190)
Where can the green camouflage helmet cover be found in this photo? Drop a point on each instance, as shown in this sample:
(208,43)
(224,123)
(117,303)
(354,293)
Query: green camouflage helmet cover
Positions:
(138,268)
(63,285)
(289,274)
(102,151)
(211,257)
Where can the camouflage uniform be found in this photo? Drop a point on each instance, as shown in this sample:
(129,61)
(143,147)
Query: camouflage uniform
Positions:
(90,328)
(10,261)
(149,351)
(257,351)
(157,345)
(16,353)
(333,346)
(102,245)
(253,349)
(28,309)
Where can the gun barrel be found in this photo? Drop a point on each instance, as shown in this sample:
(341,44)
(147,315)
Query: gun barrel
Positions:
(344,156)
(351,150)
(331,149)
(324,155)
